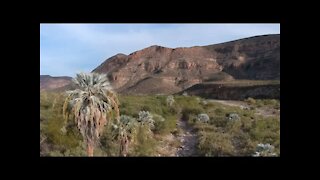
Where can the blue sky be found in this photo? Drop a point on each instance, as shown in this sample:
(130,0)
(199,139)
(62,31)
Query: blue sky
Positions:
(67,49)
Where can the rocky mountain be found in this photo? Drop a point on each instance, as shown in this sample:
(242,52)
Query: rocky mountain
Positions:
(161,70)
(52,83)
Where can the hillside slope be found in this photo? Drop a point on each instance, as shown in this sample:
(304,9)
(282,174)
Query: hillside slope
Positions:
(164,70)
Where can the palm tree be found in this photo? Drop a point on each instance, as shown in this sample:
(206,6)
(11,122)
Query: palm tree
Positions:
(146,119)
(92,106)
(170,100)
(125,130)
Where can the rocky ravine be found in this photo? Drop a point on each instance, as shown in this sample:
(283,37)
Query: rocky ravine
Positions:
(188,139)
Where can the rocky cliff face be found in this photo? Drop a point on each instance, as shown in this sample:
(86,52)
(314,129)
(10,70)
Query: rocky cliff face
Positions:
(164,70)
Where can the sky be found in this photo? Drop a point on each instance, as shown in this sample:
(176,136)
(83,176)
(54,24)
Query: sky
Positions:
(67,49)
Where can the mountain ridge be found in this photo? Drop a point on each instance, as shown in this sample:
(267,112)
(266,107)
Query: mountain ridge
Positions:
(256,58)
(162,70)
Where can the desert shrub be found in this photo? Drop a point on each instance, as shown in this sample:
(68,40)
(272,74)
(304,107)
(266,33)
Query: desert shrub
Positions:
(242,144)
(189,101)
(145,145)
(153,104)
(250,101)
(277,105)
(171,123)
(52,123)
(207,105)
(77,151)
(204,127)
(159,123)
(264,150)
(269,102)
(215,144)
(177,131)
(131,105)
(226,140)
(44,145)
(219,121)
(170,100)
(233,126)
(57,136)
(233,117)
(248,113)
(145,108)
(108,143)
(265,102)
(234,130)
(204,103)
(266,130)
(246,124)
(272,102)
(174,110)
(186,112)
(164,125)
(240,137)
(219,112)
(129,110)
(145,118)
(55,153)
(203,118)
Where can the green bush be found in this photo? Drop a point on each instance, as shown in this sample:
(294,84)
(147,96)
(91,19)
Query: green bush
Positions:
(204,127)
(159,123)
(145,144)
(164,126)
(246,124)
(219,121)
(145,108)
(186,112)
(52,123)
(208,105)
(242,144)
(266,130)
(55,153)
(215,144)
(78,151)
(250,101)
(219,112)
(108,144)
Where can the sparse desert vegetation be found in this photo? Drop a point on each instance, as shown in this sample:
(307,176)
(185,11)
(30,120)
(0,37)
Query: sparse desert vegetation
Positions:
(216,100)
(219,129)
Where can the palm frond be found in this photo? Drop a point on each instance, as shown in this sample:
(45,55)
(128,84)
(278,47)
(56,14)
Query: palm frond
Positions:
(92,105)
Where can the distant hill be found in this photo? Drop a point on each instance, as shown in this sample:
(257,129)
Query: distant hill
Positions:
(52,83)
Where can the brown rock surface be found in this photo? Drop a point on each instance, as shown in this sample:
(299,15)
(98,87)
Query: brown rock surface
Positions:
(164,70)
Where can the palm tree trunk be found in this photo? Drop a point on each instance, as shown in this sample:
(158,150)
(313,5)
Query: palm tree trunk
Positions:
(124,147)
(125,150)
(90,150)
